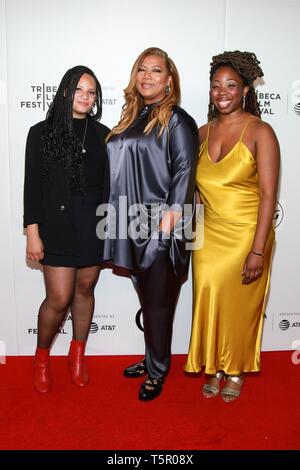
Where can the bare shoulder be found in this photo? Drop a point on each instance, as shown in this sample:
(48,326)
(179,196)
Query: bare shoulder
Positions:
(262,130)
(267,147)
(203,132)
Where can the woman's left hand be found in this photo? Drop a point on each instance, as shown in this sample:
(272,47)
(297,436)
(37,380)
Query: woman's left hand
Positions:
(253,268)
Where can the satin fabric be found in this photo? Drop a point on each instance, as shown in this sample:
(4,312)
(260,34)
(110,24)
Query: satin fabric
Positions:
(227,315)
(158,289)
(152,172)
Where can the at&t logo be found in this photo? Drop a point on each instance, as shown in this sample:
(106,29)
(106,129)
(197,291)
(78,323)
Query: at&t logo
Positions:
(284,325)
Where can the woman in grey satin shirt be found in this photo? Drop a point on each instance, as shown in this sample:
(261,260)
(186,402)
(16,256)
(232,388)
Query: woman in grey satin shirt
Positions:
(152,156)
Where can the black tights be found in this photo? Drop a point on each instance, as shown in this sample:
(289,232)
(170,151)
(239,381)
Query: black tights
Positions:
(65,288)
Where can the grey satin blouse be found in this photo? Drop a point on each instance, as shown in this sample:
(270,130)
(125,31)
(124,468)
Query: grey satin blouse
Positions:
(147,173)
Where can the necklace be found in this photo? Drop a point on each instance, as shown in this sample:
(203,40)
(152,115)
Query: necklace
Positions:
(82,144)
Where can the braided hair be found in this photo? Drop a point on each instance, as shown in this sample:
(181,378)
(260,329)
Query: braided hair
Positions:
(247,66)
(59,141)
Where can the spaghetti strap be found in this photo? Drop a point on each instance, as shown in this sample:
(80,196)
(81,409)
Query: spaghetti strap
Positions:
(247,123)
(207,133)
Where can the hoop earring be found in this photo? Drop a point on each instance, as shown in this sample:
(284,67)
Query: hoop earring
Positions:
(212,107)
(168,89)
(244,101)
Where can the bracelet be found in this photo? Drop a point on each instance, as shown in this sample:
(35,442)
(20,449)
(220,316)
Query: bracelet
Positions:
(257,254)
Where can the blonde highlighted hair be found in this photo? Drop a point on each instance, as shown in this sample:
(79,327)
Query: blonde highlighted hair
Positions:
(161,113)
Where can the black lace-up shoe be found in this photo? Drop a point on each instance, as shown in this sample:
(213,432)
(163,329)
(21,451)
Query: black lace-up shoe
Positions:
(151,389)
(136,370)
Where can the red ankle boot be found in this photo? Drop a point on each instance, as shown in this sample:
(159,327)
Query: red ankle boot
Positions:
(77,366)
(41,376)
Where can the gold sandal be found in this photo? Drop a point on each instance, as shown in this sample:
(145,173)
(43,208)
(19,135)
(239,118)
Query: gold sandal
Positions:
(230,394)
(210,390)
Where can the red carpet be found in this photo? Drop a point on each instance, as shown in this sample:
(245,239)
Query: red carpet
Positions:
(107,414)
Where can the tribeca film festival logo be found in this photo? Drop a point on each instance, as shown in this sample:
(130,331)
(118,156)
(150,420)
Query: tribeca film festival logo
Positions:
(42,95)
(267,101)
(34,331)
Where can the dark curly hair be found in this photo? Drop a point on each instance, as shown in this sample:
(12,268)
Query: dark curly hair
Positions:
(247,66)
(59,141)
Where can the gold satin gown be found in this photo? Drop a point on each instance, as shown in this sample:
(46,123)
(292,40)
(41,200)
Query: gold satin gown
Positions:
(227,315)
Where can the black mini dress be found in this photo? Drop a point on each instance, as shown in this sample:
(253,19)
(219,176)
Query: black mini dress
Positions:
(83,207)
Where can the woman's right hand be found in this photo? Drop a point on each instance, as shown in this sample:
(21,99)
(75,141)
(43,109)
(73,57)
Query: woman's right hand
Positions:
(253,268)
(35,246)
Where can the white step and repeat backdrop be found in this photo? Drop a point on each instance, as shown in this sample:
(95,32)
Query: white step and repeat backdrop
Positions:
(41,39)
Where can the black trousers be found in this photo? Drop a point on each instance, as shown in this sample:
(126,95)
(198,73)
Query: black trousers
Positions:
(158,289)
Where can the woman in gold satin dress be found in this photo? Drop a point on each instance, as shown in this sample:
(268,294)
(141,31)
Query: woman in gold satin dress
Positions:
(236,179)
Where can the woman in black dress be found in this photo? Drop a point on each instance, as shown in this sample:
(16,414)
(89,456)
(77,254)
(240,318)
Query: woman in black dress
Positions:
(152,156)
(64,184)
